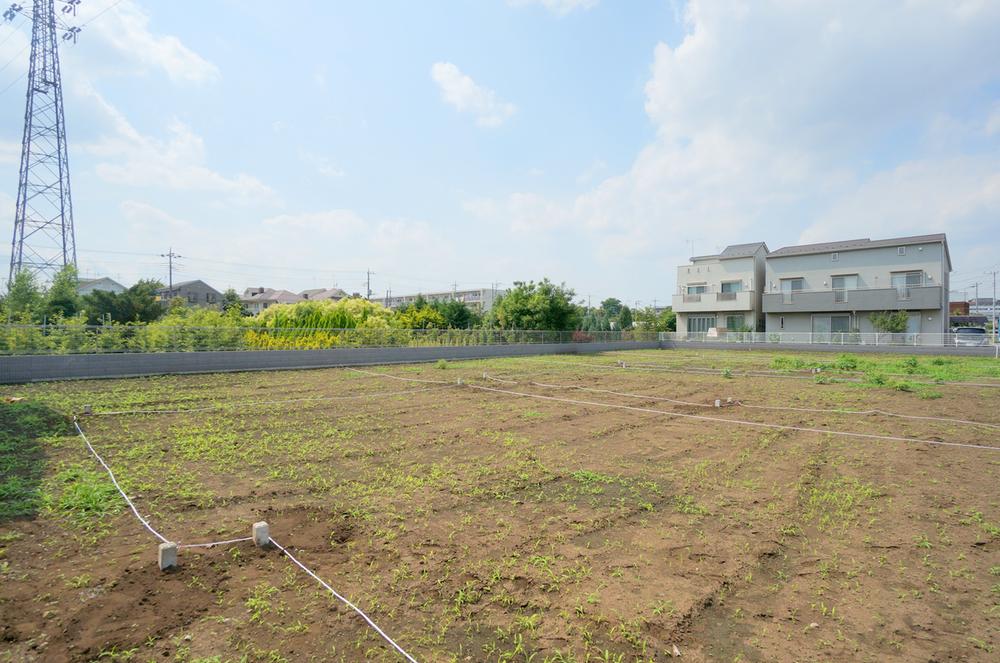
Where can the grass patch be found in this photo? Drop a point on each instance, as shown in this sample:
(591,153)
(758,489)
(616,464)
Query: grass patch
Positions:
(22,460)
(84,496)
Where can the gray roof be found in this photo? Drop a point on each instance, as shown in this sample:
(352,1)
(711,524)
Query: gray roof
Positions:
(736,251)
(324,293)
(865,243)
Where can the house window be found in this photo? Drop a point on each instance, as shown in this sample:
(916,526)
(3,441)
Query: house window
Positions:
(735,322)
(834,257)
(827,324)
(781,322)
(903,281)
(790,286)
(700,323)
(192,298)
(841,284)
(900,250)
(732,286)
(697,289)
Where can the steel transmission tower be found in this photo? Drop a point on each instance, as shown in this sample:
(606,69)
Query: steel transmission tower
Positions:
(44,240)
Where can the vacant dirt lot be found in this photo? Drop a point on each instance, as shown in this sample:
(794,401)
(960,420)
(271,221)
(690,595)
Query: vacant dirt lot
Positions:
(474,523)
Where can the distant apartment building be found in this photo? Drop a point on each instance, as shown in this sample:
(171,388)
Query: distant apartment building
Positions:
(983,306)
(722,292)
(836,286)
(196,293)
(87,286)
(480,299)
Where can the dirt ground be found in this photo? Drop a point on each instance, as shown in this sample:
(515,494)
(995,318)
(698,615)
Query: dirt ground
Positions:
(473,522)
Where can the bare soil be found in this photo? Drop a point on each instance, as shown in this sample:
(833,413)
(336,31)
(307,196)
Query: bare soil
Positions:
(475,525)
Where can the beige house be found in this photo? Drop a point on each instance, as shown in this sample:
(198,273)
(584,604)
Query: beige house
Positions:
(721,292)
(836,286)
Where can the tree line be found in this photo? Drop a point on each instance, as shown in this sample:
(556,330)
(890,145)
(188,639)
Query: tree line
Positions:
(529,305)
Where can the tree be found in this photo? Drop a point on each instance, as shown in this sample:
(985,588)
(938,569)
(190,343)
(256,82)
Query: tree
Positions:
(457,315)
(625,318)
(62,299)
(531,305)
(649,320)
(24,300)
(890,321)
(612,307)
(140,303)
(231,301)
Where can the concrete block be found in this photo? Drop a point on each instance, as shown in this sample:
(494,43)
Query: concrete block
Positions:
(168,556)
(718,403)
(87,409)
(261,534)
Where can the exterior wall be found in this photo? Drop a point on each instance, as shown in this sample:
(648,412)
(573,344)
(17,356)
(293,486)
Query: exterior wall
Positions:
(712,272)
(39,368)
(481,299)
(197,293)
(931,321)
(873,268)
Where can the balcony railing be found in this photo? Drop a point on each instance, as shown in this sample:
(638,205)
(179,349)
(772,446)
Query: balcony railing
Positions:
(862,299)
(725,296)
(691,299)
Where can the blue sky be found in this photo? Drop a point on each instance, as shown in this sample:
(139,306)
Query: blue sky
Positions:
(590,141)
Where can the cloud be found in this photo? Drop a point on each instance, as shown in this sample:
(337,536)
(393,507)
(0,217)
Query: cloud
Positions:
(322,165)
(177,162)
(125,27)
(774,117)
(466,96)
(557,7)
(339,223)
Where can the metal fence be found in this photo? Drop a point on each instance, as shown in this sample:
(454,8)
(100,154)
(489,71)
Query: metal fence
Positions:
(83,339)
(874,339)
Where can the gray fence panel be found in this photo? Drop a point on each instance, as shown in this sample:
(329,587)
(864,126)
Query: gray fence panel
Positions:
(40,368)
(985,351)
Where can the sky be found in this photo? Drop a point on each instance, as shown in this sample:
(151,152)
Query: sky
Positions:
(462,144)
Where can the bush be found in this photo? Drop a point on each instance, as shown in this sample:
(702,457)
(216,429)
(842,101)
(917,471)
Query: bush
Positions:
(846,363)
(875,378)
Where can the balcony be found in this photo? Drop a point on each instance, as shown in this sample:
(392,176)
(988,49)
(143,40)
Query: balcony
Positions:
(714,302)
(914,298)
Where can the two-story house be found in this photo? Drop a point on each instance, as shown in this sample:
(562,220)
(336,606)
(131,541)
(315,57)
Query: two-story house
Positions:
(195,293)
(722,292)
(837,286)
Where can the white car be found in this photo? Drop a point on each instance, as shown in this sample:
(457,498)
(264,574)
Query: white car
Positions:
(970,336)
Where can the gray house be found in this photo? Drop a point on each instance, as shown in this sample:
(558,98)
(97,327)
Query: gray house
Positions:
(722,291)
(87,286)
(197,293)
(836,286)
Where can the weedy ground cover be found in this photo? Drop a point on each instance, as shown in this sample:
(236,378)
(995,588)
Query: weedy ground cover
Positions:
(480,526)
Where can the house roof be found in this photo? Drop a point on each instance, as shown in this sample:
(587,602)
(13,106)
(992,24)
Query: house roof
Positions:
(182,284)
(103,279)
(735,251)
(274,296)
(323,293)
(864,243)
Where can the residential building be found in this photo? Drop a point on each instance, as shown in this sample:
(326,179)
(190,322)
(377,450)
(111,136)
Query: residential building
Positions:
(87,286)
(983,306)
(836,286)
(721,292)
(196,293)
(480,299)
(958,308)
(321,294)
(255,300)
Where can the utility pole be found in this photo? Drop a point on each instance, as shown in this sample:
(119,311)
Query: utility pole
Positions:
(995,315)
(369,273)
(454,290)
(44,240)
(170,256)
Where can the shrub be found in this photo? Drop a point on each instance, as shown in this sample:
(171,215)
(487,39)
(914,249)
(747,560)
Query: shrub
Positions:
(875,378)
(846,363)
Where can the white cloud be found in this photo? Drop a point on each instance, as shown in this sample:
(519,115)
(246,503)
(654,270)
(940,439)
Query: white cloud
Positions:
(339,222)
(557,7)
(128,157)
(774,117)
(322,165)
(126,28)
(467,96)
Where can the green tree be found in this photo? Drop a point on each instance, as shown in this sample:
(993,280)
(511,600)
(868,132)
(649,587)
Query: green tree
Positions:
(231,301)
(457,315)
(24,301)
(890,321)
(625,318)
(649,320)
(612,307)
(62,299)
(531,305)
(140,303)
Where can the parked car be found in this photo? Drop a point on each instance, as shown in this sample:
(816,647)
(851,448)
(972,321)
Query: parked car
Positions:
(970,336)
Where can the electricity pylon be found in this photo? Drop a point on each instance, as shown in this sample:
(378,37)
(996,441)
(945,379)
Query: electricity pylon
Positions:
(44,239)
